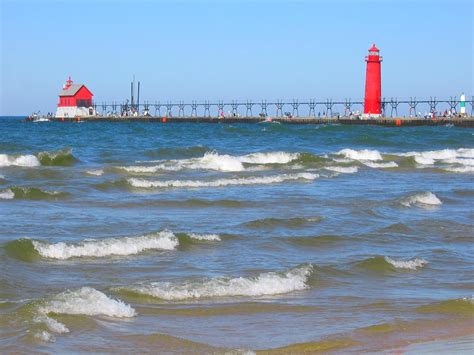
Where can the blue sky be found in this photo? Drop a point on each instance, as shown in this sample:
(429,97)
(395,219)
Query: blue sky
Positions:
(186,50)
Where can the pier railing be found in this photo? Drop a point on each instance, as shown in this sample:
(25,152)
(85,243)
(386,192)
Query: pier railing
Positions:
(391,107)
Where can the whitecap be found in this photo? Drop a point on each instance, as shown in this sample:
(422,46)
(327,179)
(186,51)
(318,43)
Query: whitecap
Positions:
(97,172)
(84,301)
(142,183)
(442,154)
(339,160)
(421,199)
(217,162)
(7,194)
(343,169)
(27,160)
(461,161)
(52,324)
(207,237)
(424,160)
(466,152)
(164,240)
(406,264)
(383,165)
(364,154)
(269,158)
(45,336)
(462,169)
(270,283)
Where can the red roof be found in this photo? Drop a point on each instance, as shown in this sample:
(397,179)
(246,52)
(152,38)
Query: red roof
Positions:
(73,89)
(373,48)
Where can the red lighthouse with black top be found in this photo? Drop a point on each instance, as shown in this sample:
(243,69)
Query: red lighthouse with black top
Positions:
(373,84)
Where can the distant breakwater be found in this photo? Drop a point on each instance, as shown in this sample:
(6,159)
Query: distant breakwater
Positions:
(389,122)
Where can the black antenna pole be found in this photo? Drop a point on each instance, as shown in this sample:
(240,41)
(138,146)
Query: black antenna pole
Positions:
(138,97)
(131,93)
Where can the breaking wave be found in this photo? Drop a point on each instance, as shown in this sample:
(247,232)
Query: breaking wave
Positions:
(142,183)
(84,301)
(343,169)
(61,157)
(424,199)
(383,264)
(19,160)
(364,154)
(269,283)
(29,250)
(178,152)
(7,194)
(97,172)
(442,154)
(31,193)
(407,264)
(217,162)
(461,169)
(383,165)
(205,237)
(452,160)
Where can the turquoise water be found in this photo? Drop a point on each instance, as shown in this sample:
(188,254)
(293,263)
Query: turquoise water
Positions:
(127,235)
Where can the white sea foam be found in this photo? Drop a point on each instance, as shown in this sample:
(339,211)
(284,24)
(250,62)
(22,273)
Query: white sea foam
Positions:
(214,161)
(52,324)
(27,160)
(406,264)
(421,199)
(84,301)
(270,283)
(7,194)
(45,336)
(339,160)
(269,158)
(106,247)
(383,165)
(424,160)
(142,183)
(208,237)
(217,162)
(465,152)
(143,169)
(461,161)
(432,156)
(364,154)
(343,169)
(462,169)
(97,172)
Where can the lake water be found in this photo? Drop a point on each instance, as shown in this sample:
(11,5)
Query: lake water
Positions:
(134,237)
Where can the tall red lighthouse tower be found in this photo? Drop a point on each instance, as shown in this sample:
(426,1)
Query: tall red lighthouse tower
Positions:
(373,84)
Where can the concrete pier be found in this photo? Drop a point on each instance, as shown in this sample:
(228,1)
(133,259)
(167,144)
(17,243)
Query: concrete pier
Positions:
(388,122)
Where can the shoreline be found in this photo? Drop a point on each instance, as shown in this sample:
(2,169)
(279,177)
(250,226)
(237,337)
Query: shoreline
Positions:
(467,122)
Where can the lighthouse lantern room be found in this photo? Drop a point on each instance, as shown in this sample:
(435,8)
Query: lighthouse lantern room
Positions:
(373,84)
(75,100)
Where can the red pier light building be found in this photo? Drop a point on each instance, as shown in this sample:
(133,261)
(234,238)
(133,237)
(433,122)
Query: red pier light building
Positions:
(75,100)
(373,84)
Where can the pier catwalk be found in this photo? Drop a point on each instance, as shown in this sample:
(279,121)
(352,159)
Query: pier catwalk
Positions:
(389,122)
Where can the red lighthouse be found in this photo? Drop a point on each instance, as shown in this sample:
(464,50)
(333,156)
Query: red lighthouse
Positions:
(373,84)
(75,100)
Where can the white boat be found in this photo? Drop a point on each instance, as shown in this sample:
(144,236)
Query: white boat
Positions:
(41,119)
(35,117)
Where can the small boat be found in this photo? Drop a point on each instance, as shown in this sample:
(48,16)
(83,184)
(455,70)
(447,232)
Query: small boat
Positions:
(36,117)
